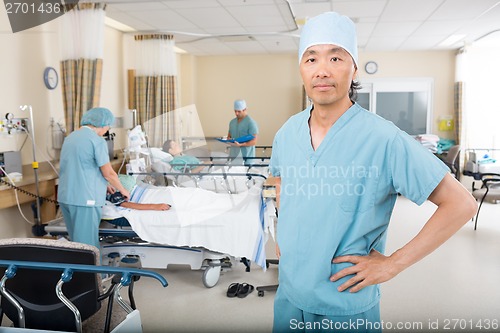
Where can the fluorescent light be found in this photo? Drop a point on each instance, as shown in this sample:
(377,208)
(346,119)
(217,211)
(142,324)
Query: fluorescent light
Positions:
(451,40)
(117,25)
(179,50)
(125,28)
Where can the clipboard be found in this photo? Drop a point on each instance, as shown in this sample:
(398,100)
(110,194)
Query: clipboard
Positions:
(241,139)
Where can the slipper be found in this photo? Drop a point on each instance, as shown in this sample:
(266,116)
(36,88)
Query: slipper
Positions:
(244,290)
(233,289)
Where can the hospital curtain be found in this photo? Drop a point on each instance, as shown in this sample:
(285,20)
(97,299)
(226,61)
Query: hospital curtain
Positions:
(82,46)
(458,96)
(458,107)
(156,95)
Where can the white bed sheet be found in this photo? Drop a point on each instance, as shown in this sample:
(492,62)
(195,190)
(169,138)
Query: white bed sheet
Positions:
(233,224)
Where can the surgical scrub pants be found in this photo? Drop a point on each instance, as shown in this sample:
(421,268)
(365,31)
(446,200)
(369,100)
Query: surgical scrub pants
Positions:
(82,223)
(289,318)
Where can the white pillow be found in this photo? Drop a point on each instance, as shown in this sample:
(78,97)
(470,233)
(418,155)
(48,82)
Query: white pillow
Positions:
(160,166)
(157,154)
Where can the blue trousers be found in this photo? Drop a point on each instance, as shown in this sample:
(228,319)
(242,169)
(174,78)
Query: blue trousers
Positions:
(289,318)
(82,223)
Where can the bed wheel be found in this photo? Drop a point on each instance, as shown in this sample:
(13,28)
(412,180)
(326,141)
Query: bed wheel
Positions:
(211,276)
(261,293)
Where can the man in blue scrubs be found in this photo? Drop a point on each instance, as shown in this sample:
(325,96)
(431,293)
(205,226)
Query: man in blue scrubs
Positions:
(85,172)
(340,168)
(242,125)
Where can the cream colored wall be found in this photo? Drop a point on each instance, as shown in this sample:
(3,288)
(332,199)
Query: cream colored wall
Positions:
(114,82)
(270,84)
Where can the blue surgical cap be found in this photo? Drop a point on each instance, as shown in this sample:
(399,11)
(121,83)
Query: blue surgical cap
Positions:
(97,117)
(329,28)
(240,104)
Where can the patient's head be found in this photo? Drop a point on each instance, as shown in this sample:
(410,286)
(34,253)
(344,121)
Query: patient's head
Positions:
(172,147)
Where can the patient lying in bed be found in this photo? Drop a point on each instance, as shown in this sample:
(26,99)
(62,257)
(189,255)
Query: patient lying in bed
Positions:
(182,162)
(233,224)
(116,199)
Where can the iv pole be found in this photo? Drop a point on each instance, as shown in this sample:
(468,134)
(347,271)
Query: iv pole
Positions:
(34,165)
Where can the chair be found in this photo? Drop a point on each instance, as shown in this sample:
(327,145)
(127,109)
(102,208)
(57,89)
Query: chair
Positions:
(452,161)
(33,289)
(490,190)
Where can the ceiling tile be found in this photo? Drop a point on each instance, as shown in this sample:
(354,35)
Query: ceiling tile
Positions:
(422,43)
(462,9)
(390,29)
(132,22)
(208,17)
(305,11)
(176,4)
(384,43)
(355,9)
(413,10)
(139,6)
(430,28)
(165,20)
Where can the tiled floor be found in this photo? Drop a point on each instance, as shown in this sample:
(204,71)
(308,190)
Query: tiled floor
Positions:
(455,287)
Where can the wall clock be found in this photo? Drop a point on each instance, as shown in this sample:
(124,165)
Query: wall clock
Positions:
(50,78)
(371,67)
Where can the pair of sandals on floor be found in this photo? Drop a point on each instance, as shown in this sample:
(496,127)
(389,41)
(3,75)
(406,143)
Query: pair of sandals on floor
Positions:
(240,290)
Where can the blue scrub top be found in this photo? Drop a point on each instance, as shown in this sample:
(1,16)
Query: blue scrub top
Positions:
(81,182)
(247,126)
(338,200)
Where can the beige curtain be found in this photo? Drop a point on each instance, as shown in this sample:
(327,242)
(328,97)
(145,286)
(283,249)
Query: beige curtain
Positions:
(81,82)
(458,109)
(81,68)
(156,91)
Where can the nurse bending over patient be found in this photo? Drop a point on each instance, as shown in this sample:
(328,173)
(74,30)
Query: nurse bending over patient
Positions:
(85,171)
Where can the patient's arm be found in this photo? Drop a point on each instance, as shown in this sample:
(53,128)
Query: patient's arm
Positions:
(145,206)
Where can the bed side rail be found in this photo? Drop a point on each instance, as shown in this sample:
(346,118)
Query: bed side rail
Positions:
(224,175)
(245,160)
(196,177)
(186,167)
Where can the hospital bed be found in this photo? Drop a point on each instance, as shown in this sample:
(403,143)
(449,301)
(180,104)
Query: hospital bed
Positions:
(216,218)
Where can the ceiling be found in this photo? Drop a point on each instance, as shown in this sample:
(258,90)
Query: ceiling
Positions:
(228,27)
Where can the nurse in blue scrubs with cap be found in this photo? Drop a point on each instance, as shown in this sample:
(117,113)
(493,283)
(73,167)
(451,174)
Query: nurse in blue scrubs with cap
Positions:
(240,126)
(85,176)
(339,168)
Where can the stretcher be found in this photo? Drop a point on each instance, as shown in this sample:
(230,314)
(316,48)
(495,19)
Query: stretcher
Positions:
(203,229)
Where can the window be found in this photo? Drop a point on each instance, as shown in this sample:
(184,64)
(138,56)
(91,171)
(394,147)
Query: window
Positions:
(405,102)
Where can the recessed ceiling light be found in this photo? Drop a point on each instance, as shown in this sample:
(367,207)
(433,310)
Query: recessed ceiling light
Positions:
(451,40)
(117,25)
